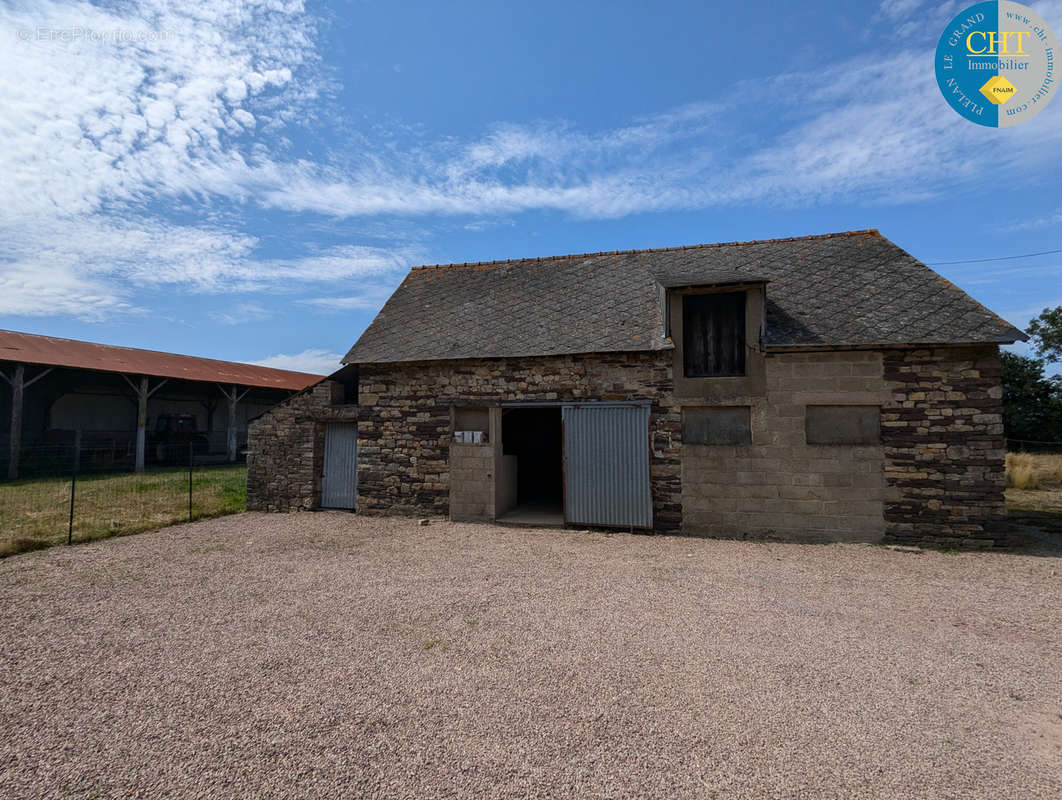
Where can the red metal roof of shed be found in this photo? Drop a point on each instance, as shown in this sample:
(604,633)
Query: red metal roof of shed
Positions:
(28,348)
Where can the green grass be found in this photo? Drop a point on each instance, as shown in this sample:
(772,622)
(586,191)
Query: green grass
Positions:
(36,513)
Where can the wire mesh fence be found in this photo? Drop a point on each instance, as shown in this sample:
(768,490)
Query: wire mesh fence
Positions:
(67,494)
(1029,446)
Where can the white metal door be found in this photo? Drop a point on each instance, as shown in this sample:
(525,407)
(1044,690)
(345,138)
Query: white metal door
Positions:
(339,484)
(606,465)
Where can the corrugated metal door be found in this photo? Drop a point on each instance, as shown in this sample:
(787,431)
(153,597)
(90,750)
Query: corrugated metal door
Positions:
(606,465)
(339,483)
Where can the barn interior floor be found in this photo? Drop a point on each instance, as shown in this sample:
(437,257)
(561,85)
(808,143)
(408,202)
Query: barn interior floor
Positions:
(544,514)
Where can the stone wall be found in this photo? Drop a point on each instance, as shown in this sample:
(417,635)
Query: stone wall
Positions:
(936,477)
(286,449)
(777,485)
(944,445)
(404,429)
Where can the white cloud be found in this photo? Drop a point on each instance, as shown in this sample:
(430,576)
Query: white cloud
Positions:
(1021,316)
(241,313)
(1002,274)
(90,268)
(320,362)
(1046,221)
(371,297)
(100,134)
(340,263)
(28,290)
(897,9)
(486,223)
(106,110)
(92,125)
(918,20)
(872,130)
(88,122)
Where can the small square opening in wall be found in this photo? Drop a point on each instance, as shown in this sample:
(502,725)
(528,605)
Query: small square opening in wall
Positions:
(345,386)
(842,425)
(471,425)
(717,425)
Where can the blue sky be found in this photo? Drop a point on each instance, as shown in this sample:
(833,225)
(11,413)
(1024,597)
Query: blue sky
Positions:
(249,181)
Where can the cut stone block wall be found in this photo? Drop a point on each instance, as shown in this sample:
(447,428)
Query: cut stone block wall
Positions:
(943,436)
(404,427)
(286,449)
(779,486)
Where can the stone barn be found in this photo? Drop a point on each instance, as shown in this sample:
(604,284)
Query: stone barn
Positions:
(822,388)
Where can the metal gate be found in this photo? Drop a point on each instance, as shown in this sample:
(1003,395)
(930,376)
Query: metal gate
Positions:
(606,465)
(339,483)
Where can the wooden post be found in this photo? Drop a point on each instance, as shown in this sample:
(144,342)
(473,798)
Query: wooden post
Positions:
(17,391)
(232,426)
(191,462)
(234,397)
(18,384)
(141,422)
(142,394)
(210,405)
(73,484)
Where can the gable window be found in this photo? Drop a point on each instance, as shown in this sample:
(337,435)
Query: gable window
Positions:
(713,335)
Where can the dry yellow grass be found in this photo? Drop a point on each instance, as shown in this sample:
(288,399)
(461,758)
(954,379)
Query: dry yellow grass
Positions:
(1032,471)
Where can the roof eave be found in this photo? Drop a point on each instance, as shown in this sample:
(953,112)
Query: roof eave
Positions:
(351,358)
(793,348)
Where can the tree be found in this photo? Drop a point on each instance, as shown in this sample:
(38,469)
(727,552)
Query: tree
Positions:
(1032,404)
(1046,333)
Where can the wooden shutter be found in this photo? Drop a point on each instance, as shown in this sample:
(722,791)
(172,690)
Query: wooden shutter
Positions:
(713,334)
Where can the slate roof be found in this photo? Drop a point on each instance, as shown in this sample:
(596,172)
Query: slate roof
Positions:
(853,289)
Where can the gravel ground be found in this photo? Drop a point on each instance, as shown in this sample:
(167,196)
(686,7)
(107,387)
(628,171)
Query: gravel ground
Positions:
(327,655)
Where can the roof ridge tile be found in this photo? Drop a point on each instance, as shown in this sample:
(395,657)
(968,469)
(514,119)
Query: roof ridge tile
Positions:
(673,249)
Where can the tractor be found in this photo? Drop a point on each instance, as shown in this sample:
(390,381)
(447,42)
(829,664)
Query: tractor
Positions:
(174,434)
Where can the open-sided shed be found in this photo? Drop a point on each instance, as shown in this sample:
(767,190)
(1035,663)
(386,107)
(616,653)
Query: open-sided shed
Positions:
(116,397)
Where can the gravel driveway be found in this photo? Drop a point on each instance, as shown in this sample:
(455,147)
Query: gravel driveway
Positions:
(327,655)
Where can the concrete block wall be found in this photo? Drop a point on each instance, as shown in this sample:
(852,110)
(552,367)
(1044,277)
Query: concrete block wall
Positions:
(779,486)
(471,481)
(482,477)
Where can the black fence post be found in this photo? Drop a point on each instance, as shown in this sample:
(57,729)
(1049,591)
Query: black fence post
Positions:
(73,486)
(190,460)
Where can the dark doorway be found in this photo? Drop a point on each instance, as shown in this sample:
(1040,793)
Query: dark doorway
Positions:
(533,436)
